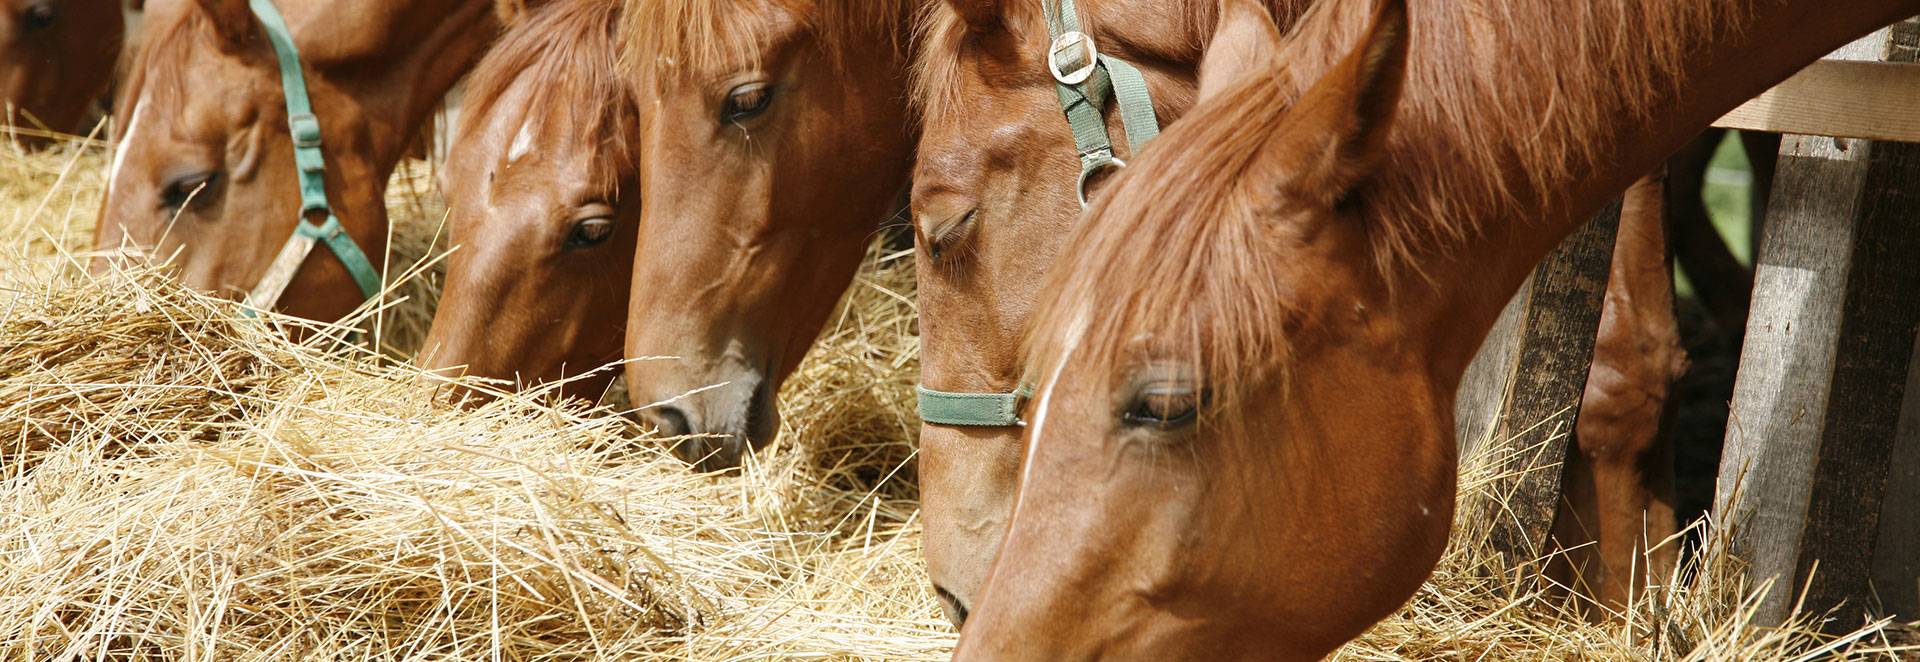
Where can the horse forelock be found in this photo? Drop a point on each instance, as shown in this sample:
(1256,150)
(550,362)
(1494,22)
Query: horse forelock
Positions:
(570,48)
(154,82)
(157,69)
(691,38)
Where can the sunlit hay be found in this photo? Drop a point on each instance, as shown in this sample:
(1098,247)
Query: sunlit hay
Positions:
(841,483)
(50,202)
(849,423)
(1478,607)
(416,258)
(326,505)
(185,483)
(50,198)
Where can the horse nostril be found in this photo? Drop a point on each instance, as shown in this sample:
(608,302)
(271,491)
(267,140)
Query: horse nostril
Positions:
(671,422)
(950,603)
(762,418)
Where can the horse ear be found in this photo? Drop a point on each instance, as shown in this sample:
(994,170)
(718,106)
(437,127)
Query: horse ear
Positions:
(1245,41)
(1338,130)
(979,15)
(232,22)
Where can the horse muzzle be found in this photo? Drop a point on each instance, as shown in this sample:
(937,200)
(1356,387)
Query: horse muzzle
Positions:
(717,430)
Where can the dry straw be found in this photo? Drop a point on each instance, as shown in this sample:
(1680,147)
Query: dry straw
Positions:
(181,482)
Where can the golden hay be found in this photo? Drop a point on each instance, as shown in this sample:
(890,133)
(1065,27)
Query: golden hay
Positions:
(183,482)
(52,199)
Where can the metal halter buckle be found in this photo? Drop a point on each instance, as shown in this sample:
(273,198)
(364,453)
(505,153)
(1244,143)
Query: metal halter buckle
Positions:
(1067,43)
(305,128)
(1086,176)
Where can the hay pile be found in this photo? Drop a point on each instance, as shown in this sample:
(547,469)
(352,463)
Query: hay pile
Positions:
(180,482)
(50,200)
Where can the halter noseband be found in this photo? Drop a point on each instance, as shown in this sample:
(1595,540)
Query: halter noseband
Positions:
(312,166)
(1086,81)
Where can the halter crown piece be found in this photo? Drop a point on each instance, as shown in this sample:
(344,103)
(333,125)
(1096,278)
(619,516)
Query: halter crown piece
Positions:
(305,128)
(1086,81)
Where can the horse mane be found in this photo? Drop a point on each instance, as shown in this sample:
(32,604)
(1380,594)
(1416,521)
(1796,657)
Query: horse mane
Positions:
(1504,104)
(1535,102)
(939,32)
(571,47)
(692,37)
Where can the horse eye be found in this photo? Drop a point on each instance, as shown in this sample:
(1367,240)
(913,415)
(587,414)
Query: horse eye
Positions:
(185,189)
(590,232)
(38,15)
(1164,406)
(746,102)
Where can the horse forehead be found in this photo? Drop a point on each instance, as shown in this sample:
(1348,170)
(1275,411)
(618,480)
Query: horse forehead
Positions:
(545,133)
(524,150)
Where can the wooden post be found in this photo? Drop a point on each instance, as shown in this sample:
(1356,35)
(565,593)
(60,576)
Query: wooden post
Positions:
(1483,388)
(1896,563)
(1553,348)
(1825,365)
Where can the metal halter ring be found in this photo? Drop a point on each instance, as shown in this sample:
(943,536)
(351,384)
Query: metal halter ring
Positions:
(1068,42)
(1086,176)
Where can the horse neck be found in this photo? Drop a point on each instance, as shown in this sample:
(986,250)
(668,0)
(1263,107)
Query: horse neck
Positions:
(1744,47)
(394,72)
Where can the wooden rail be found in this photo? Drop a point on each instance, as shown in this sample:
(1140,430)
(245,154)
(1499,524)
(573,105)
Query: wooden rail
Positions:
(1822,461)
(1838,98)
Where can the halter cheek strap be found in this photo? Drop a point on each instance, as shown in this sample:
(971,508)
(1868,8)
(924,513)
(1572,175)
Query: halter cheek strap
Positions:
(312,166)
(1086,81)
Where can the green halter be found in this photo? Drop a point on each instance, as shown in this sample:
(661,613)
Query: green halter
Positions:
(305,128)
(1085,80)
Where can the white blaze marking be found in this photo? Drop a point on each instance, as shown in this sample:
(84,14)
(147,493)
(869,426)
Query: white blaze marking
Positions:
(1074,333)
(522,142)
(120,151)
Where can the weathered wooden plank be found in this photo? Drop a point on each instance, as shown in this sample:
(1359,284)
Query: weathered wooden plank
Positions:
(1557,324)
(1483,388)
(1823,371)
(1844,98)
(1896,562)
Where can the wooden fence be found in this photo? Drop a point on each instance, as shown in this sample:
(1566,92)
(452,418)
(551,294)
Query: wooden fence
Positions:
(1820,476)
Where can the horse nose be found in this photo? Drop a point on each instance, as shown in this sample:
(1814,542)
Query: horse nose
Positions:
(710,454)
(696,447)
(719,436)
(670,421)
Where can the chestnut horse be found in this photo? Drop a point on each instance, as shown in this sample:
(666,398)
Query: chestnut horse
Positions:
(968,470)
(204,172)
(56,59)
(543,199)
(1241,443)
(776,139)
(994,193)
